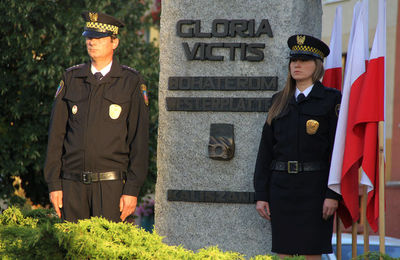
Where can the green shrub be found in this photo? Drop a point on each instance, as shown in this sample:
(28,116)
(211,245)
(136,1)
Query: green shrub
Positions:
(37,234)
(374,256)
(29,235)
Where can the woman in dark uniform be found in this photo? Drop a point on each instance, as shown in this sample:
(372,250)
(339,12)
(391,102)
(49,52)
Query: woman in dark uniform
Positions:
(292,167)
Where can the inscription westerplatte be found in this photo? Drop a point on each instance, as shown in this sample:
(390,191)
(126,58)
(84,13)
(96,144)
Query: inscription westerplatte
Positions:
(218,104)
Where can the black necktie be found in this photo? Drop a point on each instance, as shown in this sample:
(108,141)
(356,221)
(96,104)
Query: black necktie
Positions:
(98,75)
(300,97)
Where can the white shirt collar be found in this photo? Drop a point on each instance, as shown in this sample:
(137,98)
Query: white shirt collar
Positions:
(104,71)
(305,92)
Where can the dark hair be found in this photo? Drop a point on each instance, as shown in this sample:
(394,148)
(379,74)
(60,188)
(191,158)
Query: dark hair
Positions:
(282,98)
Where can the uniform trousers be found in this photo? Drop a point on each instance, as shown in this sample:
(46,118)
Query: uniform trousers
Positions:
(97,199)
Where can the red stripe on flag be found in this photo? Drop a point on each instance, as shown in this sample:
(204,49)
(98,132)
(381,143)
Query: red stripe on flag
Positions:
(333,78)
(352,153)
(370,111)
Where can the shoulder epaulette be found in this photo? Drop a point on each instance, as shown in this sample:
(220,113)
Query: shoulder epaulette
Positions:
(331,89)
(75,67)
(129,68)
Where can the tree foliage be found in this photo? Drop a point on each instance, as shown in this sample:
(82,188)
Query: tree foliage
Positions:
(39,40)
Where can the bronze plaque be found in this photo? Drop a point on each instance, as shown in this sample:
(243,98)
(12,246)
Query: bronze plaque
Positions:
(222,144)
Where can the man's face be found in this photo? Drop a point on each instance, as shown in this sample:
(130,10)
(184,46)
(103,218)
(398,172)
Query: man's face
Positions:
(101,48)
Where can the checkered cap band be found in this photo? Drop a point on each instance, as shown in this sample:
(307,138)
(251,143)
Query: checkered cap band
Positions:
(305,48)
(102,27)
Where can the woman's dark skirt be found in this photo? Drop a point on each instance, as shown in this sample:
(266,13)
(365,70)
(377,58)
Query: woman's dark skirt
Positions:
(296,202)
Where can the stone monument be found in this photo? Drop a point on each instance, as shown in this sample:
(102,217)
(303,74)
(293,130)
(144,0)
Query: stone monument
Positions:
(221,61)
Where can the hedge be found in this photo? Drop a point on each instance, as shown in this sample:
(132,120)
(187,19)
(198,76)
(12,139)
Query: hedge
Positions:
(39,234)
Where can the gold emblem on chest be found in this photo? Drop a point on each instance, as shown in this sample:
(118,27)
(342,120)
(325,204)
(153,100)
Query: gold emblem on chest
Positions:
(115,111)
(312,126)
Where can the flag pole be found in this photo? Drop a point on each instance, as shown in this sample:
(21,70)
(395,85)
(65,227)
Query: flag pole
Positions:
(338,237)
(354,240)
(381,128)
(364,219)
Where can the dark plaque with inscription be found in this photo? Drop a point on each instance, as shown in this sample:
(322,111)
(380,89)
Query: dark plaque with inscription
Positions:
(223,83)
(222,144)
(202,104)
(211,196)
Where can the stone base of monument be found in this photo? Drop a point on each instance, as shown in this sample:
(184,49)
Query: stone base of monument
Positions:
(221,62)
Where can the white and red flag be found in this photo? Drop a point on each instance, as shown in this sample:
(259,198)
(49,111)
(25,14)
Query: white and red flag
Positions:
(348,146)
(371,110)
(333,66)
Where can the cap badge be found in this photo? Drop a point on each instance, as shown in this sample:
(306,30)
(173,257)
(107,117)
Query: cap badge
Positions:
(93,17)
(74,109)
(114,111)
(144,91)
(312,126)
(59,89)
(301,39)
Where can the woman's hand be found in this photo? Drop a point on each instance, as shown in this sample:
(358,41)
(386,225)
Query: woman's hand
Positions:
(329,208)
(262,208)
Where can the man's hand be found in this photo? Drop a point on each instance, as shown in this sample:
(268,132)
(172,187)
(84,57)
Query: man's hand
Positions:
(262,208)
(127,206)
(329,208)
(56,198)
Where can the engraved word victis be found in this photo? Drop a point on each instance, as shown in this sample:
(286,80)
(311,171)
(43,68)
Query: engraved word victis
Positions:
(312,126)
(114,111)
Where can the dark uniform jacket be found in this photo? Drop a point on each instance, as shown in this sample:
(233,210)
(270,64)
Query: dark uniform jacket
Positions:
(286,139)
(99,126)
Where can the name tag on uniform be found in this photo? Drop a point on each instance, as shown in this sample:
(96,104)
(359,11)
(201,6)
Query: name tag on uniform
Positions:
(114,111)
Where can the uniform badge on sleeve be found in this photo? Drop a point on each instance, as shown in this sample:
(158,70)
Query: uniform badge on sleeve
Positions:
(59,89)
(312,126)
(144,91)
(114,111)
(337,109)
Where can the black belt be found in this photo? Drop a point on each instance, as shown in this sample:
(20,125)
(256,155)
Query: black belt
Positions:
(89,177)
(297,167)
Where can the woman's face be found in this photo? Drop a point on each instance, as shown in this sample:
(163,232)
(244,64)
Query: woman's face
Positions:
(302,70)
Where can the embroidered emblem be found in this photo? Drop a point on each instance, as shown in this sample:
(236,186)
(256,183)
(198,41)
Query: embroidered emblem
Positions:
(93,17)
(301,39)
(74,109)
(337,109)
(59,89)
(144,91)
(312,126)
(114,111)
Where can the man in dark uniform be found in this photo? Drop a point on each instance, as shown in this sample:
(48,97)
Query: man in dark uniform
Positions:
(97,153)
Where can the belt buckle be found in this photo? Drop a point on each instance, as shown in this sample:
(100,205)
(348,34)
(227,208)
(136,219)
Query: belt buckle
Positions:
(293,167)
(86,178)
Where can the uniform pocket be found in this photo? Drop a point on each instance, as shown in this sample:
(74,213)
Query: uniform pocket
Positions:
(77,105)
(315,119)
(115,107)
